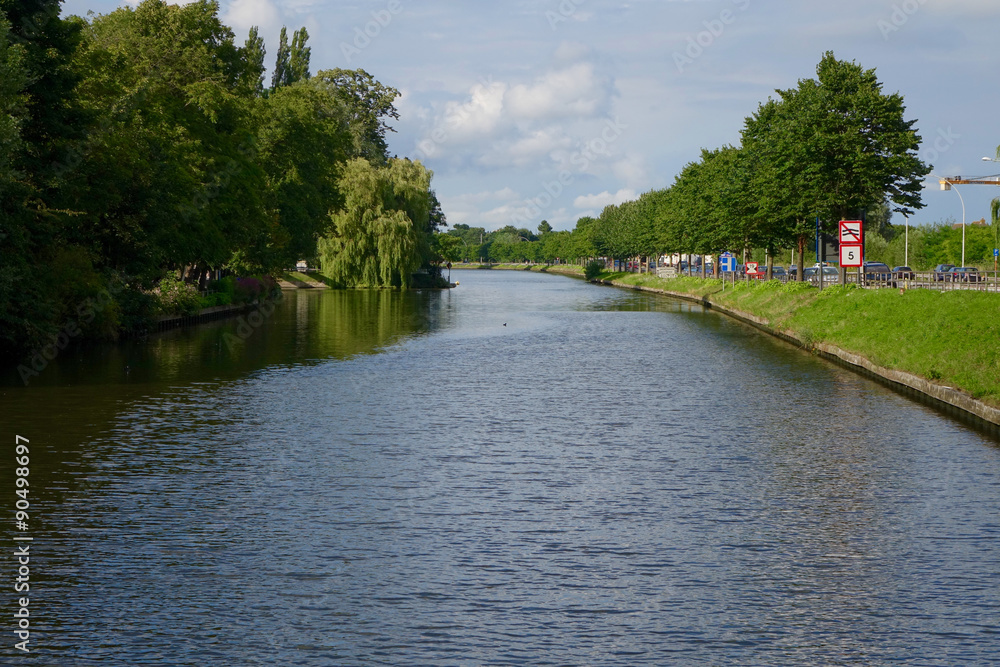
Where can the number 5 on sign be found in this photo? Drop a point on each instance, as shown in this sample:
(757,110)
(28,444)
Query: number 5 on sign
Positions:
(850,255)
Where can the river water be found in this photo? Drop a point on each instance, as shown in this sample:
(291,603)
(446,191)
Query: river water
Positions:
(525,470)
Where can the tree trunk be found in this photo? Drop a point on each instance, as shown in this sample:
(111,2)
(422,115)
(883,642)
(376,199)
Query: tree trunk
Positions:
(202,277)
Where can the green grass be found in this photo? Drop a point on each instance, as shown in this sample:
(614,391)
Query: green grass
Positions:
(309,279)
(952,337)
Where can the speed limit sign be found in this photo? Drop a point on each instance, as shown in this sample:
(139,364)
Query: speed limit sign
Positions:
(850,255)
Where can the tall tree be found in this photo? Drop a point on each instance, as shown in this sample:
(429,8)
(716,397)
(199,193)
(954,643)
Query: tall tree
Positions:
(14,247)
(437,219)
(369,104)
(302,142)
(833,147)
(179,184)
(13,79)
(279,76)
(253,54)
(41,128)
(298,61)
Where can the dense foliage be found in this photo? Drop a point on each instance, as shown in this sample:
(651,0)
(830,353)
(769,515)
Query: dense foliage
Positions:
(141,150)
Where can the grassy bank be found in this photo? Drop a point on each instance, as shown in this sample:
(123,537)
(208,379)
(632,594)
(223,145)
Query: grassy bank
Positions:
(951,338)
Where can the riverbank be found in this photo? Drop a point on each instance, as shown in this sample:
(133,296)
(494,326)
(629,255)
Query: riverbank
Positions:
(562,269)
(944,346)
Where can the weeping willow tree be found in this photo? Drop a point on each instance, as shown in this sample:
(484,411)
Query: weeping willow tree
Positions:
(381,234)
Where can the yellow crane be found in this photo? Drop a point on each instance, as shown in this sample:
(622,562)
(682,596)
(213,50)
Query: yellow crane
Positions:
(949,181)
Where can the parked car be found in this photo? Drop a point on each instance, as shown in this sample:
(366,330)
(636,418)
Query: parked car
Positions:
(877,271)
(966,274)
(779,272)
(942,272)
(903,273)
(831,274)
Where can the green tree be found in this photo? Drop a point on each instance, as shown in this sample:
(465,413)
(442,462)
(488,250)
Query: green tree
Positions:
(380,235)
(446,248)
(298,57)
(279,76)
(369,105)
(13,79)
(302,142)
(41,128)
(437,219)
(833,147)
(171,178)
(14,240)
(582,238)
(253,56)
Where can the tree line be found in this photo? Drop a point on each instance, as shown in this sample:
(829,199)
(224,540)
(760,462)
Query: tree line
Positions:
(834,147)
(144,144)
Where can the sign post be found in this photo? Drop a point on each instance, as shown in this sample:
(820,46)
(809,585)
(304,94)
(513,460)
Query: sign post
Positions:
(852,235)
(850,255)
(851,232)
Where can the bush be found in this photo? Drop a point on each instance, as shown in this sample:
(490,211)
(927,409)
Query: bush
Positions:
(248,290)
(593,269)
(138,310)
(177,297)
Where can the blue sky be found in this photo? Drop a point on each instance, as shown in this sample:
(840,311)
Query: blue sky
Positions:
(550,109)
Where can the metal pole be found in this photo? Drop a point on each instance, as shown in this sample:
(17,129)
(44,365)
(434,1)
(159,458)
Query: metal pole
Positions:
(961,199)
(819,257)
(906,244)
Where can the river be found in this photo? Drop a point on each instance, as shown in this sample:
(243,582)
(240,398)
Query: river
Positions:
(524,470)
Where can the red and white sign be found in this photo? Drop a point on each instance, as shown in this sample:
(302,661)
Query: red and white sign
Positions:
(752,268)
(850,255)
(850,232)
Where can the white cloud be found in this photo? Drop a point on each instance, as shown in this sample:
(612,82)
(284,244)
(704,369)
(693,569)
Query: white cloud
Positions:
(244,14)
(577,90)
(599,201)
(480,115)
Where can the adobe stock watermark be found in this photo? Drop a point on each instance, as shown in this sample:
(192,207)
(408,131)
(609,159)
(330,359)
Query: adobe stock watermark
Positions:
(597,147)
(563,13)
(899,17)
(442,130)
(363,36)
(943,142)
(714,29)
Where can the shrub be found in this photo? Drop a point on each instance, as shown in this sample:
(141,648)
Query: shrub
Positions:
(248,290)
(177,297)
(138,310)
(593,269)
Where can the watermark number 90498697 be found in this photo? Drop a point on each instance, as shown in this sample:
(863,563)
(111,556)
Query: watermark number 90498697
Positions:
(22,578)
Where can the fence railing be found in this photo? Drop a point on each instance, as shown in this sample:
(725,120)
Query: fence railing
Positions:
(987,281)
